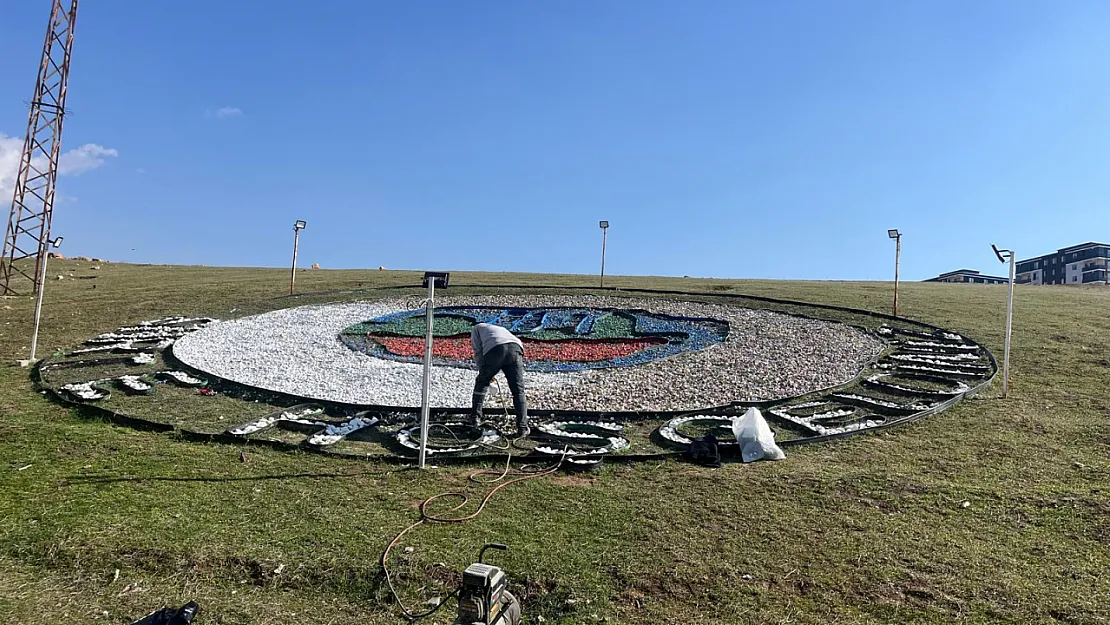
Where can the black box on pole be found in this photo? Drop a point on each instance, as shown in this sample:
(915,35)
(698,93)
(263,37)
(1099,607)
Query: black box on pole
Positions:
(440,277)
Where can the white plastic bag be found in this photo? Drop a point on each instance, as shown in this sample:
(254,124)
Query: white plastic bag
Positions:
(756,440)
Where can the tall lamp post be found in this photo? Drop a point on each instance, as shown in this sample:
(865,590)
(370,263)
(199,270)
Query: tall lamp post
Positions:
(56,243)
(604,231)
(897,236)
(297,227)
(1003,255)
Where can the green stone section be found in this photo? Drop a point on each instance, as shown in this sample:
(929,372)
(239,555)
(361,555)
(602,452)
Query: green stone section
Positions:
(613,325)
(551,335)
(442,325)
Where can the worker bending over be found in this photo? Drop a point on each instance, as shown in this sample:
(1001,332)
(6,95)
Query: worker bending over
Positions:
(497,349)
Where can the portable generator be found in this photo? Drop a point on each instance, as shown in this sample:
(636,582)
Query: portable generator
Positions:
(484,596)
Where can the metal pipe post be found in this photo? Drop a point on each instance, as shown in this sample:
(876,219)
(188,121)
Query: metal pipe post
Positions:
(425,406)
(40,286)
(604,232)
(296,242)
(1009,328)
(897,258)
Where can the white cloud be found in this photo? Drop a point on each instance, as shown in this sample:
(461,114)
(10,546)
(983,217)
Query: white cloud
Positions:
(223,113)
(10,151)
(81,159)
(71,163)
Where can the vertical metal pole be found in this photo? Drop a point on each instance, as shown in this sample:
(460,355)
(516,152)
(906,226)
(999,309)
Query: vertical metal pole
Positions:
(425,406)
(604,232)
(1009,327)
(897,257)
(40,286)
(296,242)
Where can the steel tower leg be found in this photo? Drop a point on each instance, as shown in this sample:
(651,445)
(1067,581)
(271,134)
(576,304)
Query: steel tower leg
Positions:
(33,201)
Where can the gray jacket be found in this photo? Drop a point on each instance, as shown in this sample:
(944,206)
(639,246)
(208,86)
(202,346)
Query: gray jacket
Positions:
(486,336)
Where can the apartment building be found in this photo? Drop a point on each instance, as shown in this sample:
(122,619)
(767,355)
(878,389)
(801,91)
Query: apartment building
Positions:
(1079,264)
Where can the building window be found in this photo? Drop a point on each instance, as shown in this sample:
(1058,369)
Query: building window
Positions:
(1073,267)
(1073,278)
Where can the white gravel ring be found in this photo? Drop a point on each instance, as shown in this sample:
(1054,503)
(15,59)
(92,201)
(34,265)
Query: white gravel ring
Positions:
(766,355)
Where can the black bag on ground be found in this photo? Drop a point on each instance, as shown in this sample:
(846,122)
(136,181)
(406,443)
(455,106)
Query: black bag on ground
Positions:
(704,451)
(169,616)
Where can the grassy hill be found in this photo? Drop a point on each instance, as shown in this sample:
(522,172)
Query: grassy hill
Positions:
(872,529)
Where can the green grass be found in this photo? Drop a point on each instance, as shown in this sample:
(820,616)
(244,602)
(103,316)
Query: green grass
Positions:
(866,530)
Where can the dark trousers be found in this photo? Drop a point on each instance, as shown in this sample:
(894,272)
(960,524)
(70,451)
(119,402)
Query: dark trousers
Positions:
(509,358)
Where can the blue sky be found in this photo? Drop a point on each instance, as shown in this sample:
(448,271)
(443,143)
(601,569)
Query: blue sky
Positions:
(727,139)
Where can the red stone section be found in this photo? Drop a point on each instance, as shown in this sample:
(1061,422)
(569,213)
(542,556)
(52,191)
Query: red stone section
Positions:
(569,350)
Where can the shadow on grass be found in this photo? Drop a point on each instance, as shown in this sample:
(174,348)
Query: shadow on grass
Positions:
(111,479)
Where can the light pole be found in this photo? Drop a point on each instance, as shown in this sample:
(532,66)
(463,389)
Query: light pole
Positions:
(1002,256)
(604,231)
(425,392)
(297,227)
(38,298)
(897,236)
(432,279)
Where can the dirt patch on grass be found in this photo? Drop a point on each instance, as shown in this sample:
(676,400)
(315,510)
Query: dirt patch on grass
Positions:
(640,588)
(1076,616)
(573,480)
(546,597)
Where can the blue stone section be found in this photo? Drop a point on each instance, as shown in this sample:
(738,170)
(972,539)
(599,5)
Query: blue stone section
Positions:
(683,334)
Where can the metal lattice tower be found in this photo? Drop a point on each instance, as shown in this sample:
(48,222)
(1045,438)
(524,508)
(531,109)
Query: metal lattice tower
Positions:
(33,202)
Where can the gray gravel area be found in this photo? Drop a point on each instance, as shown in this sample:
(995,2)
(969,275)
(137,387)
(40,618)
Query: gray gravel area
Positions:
(767,355)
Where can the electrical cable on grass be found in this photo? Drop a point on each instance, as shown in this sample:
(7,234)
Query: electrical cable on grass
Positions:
(425,516)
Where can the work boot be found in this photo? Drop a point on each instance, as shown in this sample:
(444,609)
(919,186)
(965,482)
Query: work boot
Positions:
(522,429)
(475,420)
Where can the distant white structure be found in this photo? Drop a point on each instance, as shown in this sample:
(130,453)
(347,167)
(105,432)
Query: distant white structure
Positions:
(1085,263)
(969,276)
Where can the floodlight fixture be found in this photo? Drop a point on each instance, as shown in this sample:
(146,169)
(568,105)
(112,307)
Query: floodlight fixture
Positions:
(297,227)
(999,253)
(897,236)
(439,277)
(604,231)
(1003,256)
(41,284)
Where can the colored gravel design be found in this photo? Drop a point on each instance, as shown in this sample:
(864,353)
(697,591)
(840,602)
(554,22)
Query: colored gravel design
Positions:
(568,350)
(624,338)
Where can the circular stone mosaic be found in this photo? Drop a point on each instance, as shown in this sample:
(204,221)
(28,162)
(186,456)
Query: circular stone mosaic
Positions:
(614,376)
(588,353)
